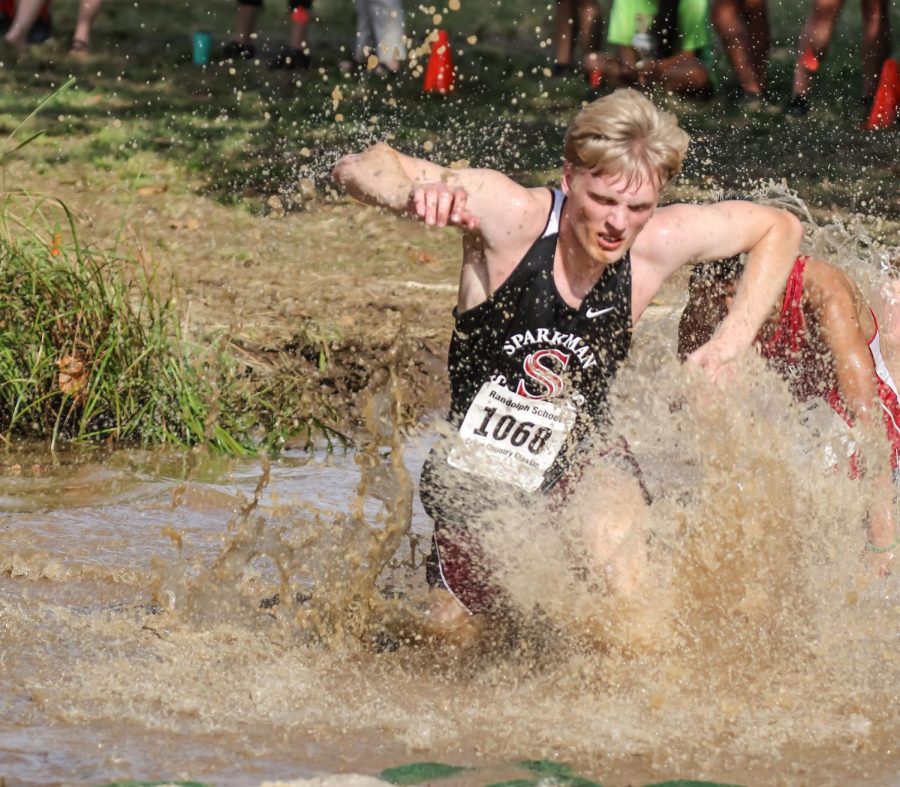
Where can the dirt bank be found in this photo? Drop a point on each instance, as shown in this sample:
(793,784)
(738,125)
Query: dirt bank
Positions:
(321,294)
(313,299)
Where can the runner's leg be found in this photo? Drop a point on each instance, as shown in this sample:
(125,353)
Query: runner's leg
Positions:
(615,537)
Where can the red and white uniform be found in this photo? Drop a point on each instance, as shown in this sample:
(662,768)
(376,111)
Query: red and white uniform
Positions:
(810,374)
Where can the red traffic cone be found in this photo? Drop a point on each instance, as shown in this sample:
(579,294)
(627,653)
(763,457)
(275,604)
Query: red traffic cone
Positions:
(884,105)
(439,71)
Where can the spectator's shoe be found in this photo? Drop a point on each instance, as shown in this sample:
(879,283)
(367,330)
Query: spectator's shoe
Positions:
(235,50)
(8,53)
(381,72)
(40,31)
(80,49)
(563,69)
(797,106)
(5,22)
(352,68)
(290,59)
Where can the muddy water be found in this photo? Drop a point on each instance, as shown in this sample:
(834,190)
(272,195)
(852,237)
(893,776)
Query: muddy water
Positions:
(141,635)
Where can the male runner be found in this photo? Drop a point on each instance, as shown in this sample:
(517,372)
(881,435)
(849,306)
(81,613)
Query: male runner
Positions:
(824,340)
(551,285)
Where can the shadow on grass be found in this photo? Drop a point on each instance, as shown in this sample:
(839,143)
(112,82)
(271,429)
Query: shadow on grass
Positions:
(245,130)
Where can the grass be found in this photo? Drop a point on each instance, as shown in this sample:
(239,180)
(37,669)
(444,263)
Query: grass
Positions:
(245,132)
(90,349)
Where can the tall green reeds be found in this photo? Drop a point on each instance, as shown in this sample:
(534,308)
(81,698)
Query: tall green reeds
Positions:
(91,350)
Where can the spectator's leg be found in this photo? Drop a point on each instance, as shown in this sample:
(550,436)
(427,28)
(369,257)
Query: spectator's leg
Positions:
(300,16)
(756,20)
(389,31)
(296,54)
(814,40)
(81,39)
(876,43)
(565,26)
(365,32)
(728,20)
(590,26)
(245,25)
(27,12)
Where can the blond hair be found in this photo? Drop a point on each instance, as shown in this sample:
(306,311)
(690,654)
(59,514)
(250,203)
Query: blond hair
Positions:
(624,134)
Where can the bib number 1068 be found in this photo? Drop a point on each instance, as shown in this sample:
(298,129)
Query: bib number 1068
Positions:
(520,433)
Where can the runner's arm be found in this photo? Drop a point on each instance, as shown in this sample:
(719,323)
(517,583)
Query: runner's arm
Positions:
(838,320)
(688,234)
(478,200)
(833,299)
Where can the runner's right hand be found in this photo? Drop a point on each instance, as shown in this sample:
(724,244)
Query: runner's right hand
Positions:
(441,205)
(716,363)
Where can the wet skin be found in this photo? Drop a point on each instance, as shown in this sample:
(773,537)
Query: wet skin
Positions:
(602,218)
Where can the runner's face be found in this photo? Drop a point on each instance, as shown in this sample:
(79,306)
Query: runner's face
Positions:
(606,214)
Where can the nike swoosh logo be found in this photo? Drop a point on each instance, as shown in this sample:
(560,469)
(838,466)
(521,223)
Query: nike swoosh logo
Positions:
(591,313)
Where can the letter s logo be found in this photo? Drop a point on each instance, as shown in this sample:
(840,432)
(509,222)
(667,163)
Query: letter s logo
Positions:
(550,382)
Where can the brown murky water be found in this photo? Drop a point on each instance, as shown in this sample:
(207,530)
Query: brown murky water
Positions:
(139,637)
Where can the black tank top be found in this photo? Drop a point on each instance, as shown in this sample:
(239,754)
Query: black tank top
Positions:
(526,315)
(528,341)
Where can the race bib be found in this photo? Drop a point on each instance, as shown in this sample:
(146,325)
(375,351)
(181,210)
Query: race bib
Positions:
(510,437)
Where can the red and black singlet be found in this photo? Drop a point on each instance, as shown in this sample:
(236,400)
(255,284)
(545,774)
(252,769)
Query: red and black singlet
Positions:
(810,373)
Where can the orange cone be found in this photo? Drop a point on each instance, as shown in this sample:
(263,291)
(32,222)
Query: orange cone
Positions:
(884,105)
(439,72)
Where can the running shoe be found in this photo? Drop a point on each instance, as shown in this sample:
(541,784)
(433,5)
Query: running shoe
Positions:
(797,106)
(235,50)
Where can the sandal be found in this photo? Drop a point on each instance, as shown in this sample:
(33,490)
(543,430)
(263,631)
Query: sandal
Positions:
(80,49)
